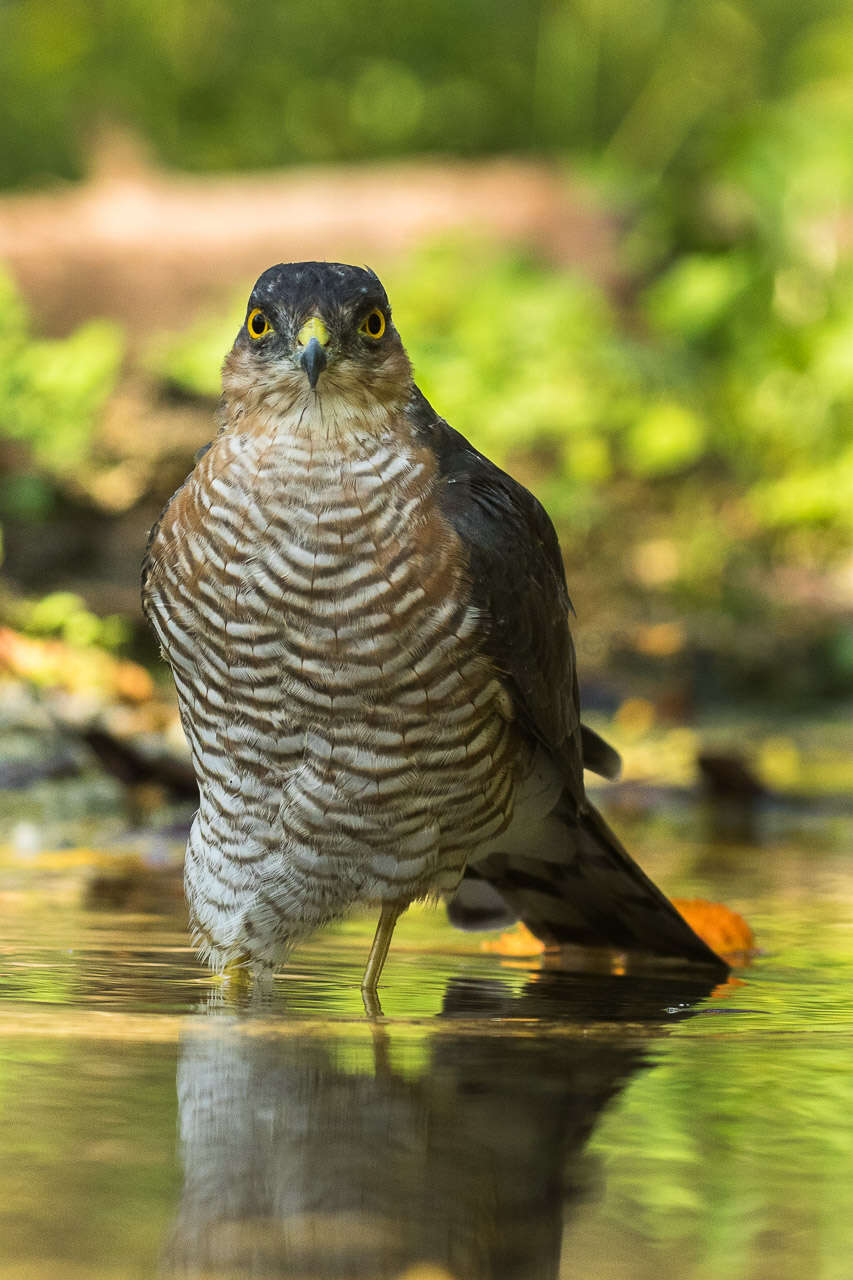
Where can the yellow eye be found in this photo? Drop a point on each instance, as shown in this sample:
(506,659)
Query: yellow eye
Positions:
(257,324)
(373,324)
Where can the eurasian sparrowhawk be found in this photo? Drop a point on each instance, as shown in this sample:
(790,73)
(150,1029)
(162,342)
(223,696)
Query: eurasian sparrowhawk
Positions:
(368,626)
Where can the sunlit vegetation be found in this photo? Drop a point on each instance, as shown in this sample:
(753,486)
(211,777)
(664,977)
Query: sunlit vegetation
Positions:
(51,394)
(688,423)
(683,87)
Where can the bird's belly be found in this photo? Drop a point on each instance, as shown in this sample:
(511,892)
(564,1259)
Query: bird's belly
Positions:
(367,752)
(350,740)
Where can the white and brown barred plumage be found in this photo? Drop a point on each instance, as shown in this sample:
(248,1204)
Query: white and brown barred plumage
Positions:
(367,623)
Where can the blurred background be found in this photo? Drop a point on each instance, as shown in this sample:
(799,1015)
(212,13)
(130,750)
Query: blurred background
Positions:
(618,238)
(619,248)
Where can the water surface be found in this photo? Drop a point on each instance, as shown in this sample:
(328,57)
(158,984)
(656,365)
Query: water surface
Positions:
(502,1120)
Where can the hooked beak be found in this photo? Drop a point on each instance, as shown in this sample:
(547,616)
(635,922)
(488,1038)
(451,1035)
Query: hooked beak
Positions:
(313,337)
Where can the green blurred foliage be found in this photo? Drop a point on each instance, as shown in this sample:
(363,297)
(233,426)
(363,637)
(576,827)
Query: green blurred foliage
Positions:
(681,86)
(64,615)
(51,391)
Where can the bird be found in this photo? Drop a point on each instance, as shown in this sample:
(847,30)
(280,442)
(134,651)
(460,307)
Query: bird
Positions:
(368,626)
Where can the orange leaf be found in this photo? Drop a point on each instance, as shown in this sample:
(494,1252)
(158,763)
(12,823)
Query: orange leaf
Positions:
(724,930)
(518,941)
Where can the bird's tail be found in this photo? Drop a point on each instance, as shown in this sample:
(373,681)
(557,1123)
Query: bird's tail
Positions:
(575,884)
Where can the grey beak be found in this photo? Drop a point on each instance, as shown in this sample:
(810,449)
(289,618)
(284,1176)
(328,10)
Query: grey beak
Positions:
(313,361)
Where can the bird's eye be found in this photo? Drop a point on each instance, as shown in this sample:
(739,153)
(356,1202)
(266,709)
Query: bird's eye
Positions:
(373,324)
(257,324)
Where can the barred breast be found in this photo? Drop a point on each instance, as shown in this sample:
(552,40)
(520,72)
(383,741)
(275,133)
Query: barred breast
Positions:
(351,742)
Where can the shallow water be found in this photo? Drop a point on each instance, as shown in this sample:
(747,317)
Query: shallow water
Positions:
(501,1121)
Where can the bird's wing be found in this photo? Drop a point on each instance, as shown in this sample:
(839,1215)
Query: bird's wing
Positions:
(598,756)
(563,872)
(519,588)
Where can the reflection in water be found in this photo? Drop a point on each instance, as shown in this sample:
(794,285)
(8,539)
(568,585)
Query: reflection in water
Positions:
(309,1152)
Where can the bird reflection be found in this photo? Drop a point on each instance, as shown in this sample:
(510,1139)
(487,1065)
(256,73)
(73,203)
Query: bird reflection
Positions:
(345,1150)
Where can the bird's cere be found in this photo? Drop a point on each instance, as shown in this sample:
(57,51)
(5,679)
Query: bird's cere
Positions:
(313,328)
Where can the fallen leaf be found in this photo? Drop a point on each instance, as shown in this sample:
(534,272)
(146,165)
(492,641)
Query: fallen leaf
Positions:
(724,930)
(518,941)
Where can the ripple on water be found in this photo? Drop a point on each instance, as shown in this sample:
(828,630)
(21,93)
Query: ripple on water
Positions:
(501,1120)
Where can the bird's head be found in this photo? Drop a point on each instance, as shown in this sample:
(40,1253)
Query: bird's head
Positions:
(318,330)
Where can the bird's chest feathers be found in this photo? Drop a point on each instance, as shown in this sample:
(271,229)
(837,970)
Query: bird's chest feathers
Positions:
(327,557)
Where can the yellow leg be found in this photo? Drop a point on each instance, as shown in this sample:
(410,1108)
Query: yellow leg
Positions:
(241,982)
(389,916)
(237,975)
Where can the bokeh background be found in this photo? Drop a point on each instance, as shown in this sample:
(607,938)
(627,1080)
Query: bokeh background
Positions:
(618,237)
(620,248)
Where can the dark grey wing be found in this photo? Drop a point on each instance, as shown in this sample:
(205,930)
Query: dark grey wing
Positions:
(571,881)
(519,586)
(598,756)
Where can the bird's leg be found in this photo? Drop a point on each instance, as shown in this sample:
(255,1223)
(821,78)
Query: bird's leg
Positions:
(391,912)
(243,982)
